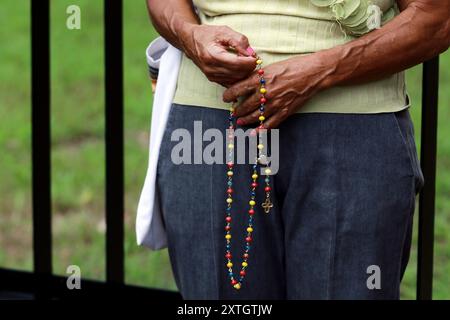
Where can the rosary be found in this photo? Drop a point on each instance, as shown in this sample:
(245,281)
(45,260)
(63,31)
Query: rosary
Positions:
(236,282)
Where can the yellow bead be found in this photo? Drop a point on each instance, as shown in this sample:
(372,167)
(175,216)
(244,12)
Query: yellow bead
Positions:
(230,146)
(237,286)
(229,264)
(259,61)
(252,202)
(249,229)
(229,200)
(263,90)
(244,264)
(254,176)
(260,146)
(268,171)
(230,173)
(262,118)
(228,236)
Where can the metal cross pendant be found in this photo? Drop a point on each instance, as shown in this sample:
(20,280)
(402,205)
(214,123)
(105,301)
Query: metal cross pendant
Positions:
(267,205)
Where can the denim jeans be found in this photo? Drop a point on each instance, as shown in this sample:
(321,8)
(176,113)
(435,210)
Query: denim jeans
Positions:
(343,198)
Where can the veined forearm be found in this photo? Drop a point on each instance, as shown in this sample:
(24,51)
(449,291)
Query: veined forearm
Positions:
(420,32)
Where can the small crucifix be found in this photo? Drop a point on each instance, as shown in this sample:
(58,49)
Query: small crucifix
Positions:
(267,205)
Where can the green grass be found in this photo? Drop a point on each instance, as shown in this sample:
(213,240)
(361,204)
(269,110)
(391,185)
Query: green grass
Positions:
(78,148)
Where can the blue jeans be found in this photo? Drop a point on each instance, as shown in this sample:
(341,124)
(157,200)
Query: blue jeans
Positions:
(343,200)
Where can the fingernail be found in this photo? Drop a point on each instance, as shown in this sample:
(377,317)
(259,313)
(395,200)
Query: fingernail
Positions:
(250,51)
(240,122)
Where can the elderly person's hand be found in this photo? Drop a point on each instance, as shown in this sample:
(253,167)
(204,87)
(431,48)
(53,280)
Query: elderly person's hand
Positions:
(290,83)
(222,54)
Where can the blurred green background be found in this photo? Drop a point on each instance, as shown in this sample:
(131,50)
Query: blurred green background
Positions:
(78,147)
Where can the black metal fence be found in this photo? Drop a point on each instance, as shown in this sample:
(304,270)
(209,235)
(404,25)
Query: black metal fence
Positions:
(41,283)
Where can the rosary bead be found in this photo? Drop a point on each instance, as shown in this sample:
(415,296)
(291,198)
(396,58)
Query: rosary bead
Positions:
(233,282)
(229,190)
(254,184)
(244,264)
(249,229)
(262,118)
(237,286)
(259,61)
(230,173)
(227,228)
(229,200)
(228,255)
(263,90)
(252,202)
(251,212)
(242,273)
(260,72)
(229,265)
(254,176)
(260,146)
(228,219)
(228,236)
(267,189)
(267,171)
(230,146)
(248,239)
(245,255)
(262,81)
(263,100)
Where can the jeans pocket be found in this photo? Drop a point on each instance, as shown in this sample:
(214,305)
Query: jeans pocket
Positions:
(405,129)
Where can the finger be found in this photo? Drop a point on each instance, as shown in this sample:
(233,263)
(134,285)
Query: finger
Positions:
(254,117)
(237,40)
(275,120)
(236,63)
(241,88)
(248,105)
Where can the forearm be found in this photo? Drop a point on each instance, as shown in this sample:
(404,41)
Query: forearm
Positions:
(172,19)
(420,32)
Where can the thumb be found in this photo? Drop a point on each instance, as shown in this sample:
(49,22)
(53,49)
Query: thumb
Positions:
(238,41)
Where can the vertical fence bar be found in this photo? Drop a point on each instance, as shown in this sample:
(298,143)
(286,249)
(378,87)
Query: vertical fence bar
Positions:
(430,88)
(40,115)
(114,141)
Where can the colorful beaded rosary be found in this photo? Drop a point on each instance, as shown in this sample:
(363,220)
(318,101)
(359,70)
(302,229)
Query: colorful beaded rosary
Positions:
(267,204)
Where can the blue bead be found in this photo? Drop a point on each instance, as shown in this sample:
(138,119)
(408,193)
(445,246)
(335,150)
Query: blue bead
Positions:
(261,109)
(262,80)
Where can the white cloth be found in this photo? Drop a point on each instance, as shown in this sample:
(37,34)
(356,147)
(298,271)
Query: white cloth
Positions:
(150,229)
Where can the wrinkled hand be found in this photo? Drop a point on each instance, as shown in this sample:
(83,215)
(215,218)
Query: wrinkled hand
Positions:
(289,83)
(209,48)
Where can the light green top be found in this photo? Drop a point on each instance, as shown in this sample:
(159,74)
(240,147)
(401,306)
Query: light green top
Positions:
(280,29)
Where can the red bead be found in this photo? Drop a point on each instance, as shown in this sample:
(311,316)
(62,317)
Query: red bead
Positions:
(267,189)
(263,100)
(229,190)
(245,255)
(228,255)
(242,273)
(230,164)
(227,228)
(228,219)
(233,282)
(254,184)
(248,239)
(251,212)
(260,72)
